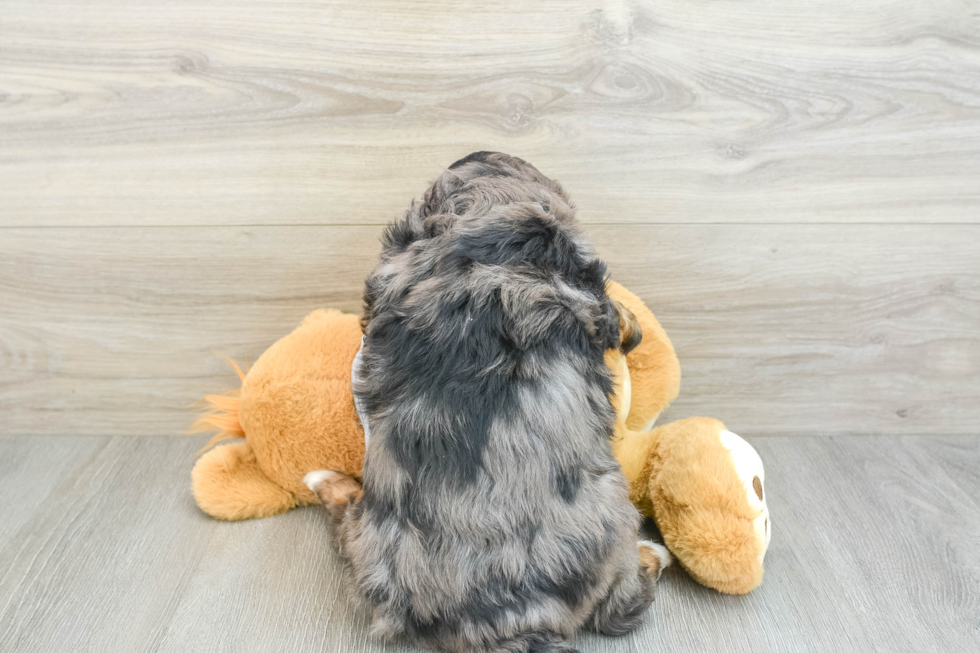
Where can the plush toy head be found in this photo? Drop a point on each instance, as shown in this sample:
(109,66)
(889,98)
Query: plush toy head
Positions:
(702,484)
(705,486)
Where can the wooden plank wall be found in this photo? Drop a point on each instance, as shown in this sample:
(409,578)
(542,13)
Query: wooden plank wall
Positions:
(793,188)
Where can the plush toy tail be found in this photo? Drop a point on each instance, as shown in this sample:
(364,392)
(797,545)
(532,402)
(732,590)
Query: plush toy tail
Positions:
(221,413)
(227,481)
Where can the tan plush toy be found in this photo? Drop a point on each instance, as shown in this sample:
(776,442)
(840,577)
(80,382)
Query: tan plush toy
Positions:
(296,412)
(703,485)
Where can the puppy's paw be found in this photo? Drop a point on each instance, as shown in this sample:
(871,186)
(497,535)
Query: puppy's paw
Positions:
(333,488)
(313,479)
(654,558)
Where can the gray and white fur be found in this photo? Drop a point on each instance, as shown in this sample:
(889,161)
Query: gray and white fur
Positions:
(493,516)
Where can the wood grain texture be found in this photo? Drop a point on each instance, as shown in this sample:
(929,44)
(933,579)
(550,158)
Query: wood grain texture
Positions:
(122,112)
(806,329)
(780,329)
(875,548)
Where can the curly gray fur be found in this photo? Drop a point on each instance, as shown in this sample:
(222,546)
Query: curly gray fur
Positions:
(494,516)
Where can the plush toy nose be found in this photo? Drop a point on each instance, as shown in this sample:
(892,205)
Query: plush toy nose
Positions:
(748,466)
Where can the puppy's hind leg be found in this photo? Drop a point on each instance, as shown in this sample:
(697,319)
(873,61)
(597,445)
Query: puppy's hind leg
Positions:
(654,558)
(336,490)
(621,612)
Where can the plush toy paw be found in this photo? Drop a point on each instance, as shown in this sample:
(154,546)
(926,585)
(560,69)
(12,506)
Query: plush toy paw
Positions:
(228,483)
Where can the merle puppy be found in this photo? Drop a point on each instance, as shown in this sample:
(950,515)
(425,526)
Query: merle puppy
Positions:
(493,515)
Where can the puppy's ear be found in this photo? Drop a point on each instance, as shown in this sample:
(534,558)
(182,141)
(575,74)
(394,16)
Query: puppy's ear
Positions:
(607,324)
(618,327)
(630,333)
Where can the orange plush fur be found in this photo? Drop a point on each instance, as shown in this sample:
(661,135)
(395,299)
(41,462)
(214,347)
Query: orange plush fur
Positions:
(653,366)
(296,412)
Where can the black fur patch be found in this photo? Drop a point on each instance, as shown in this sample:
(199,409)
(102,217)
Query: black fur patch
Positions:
(568,482)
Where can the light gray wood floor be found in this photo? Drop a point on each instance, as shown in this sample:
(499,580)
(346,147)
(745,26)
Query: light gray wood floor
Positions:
(876,547)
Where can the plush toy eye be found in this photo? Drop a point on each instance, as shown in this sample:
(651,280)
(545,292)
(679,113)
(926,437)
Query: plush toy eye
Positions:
(757,486)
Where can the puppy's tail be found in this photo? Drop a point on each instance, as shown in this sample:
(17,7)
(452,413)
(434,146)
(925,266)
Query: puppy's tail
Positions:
(535,641)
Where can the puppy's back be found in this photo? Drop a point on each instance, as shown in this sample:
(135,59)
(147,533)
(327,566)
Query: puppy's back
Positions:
(492,506)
